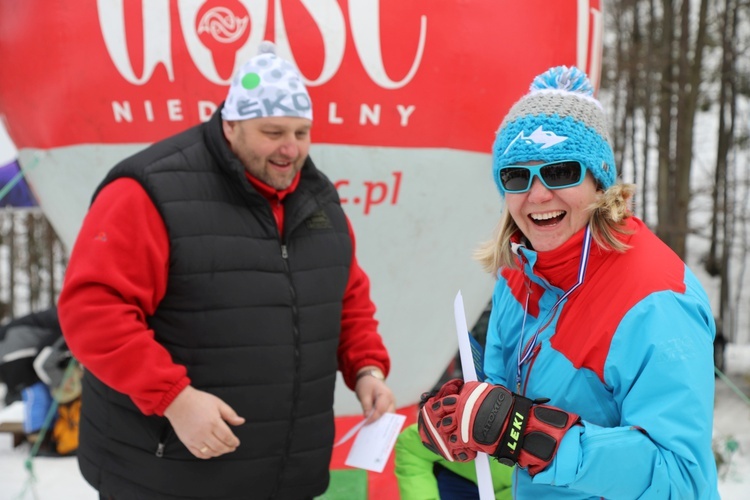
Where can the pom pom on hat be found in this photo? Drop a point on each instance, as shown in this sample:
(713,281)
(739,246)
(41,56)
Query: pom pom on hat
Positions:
(267,85)
(563,78)
(267,47)
(559,119)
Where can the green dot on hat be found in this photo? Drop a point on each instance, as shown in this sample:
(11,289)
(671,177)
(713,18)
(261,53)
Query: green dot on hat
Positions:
(266,85)
(251,80)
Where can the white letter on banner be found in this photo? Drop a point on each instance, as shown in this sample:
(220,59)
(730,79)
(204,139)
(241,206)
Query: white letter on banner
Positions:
(205,110)
(156,37)
(589,54)
(202,57)
(174,110)
(405,113)
(122,111)
(364,19)
(369,114)
(332,118)
(330,21)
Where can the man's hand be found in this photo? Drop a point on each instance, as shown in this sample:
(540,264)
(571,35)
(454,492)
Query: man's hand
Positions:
(376,398)
(465,418)
(200,421)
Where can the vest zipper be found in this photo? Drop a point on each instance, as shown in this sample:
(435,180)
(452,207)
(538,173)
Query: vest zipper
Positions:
(163,441)
(297,362)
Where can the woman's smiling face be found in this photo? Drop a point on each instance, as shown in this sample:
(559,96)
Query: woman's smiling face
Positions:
(549,217)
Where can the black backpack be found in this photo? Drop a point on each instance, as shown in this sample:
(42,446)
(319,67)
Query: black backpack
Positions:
(21,341)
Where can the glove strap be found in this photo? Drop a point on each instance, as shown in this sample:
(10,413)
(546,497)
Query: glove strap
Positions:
(512,441)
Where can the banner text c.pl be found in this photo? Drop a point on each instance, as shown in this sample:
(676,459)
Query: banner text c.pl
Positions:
(375,192)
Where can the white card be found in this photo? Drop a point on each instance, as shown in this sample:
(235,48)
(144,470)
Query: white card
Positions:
(374,442)
(481,462)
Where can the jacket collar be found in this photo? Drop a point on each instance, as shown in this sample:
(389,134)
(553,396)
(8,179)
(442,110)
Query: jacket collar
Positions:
(559,267)
(271,193)
(310,189)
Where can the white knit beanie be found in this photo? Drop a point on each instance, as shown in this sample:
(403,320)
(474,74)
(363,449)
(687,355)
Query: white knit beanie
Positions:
(267,85)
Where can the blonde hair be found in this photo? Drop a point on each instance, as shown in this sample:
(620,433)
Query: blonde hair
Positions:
(608,214)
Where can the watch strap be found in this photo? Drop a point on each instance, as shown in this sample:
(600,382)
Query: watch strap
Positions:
(375,372)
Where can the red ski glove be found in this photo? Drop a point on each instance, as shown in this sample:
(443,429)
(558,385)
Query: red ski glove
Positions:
(465,418)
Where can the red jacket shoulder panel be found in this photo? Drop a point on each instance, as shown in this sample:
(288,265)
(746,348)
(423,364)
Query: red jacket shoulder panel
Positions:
(614,285)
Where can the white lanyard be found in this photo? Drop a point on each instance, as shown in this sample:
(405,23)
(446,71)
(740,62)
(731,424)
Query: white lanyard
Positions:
(525,354)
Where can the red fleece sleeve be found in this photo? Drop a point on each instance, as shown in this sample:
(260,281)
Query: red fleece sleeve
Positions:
(360,344)
(116,277)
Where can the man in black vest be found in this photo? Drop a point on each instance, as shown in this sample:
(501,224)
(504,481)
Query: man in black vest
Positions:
(212,294)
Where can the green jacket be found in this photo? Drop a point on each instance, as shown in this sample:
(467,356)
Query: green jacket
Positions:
(416,480)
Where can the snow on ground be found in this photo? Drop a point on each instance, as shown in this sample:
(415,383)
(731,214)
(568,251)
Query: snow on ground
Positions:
(59,478)
(732,425)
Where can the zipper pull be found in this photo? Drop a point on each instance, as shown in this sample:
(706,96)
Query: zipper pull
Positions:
(160,450)
(284,253)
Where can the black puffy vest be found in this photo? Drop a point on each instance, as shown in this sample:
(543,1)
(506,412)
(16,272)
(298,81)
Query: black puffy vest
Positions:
(254,316)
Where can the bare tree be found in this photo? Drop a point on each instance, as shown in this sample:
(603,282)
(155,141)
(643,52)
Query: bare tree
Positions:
(673,61)
(722,198)
(682,65)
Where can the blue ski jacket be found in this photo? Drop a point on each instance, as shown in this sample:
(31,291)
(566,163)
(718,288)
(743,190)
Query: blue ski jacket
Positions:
(630,350)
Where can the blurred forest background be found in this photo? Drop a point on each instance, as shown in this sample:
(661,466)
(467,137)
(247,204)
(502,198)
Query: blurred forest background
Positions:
(32,262)
(676,74)
(676,85)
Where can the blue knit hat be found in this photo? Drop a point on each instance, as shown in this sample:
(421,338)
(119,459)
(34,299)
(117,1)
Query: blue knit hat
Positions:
(559,119)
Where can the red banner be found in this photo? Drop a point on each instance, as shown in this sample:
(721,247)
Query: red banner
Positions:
(417,73)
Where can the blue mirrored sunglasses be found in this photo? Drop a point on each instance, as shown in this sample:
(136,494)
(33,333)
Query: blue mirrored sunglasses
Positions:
(554,175)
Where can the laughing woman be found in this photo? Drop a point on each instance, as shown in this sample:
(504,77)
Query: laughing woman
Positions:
(599,349)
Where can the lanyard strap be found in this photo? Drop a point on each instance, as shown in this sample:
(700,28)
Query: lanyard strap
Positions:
(525,354)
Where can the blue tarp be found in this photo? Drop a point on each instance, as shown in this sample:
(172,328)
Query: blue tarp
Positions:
(14,191)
